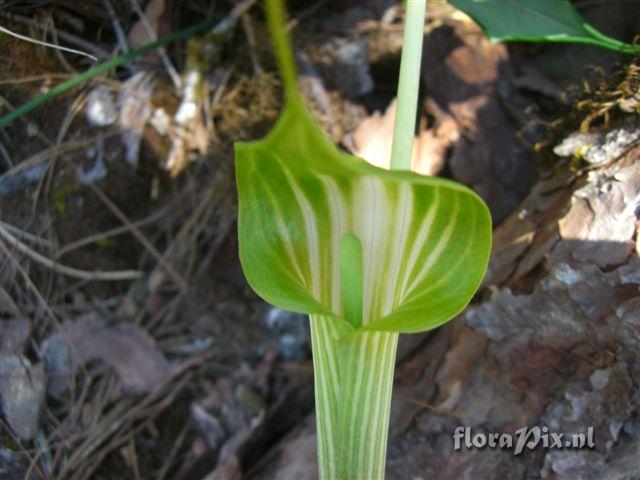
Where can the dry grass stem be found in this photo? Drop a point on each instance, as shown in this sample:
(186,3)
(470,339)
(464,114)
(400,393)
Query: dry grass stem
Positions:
(105,276)
(47,44)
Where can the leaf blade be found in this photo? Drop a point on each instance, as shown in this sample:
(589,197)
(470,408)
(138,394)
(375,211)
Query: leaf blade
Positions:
(536,21)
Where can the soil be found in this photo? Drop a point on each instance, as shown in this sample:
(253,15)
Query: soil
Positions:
(175,369)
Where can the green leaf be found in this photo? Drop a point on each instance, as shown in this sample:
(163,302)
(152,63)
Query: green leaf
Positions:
(425,240)
(536,21)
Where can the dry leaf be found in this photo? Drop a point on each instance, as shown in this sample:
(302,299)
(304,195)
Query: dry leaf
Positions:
(373,138)
(139,34)
(135,111)
(129,350)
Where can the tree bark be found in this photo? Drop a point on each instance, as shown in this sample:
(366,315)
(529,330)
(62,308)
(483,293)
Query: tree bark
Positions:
(556,343)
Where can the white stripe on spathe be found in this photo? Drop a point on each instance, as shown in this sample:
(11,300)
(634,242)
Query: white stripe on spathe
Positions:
(338,212)
(311,229)
(397,246)
(418,243)
(437,250)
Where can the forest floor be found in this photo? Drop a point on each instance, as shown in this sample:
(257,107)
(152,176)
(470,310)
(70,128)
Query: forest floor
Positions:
(135,346)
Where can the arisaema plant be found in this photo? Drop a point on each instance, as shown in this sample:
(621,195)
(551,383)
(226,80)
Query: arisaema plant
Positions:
(367,253)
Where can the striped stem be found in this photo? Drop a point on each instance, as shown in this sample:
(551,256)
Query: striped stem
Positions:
(353,384)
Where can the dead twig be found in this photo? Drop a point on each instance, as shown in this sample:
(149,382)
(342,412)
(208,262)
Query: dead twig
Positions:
(229,21)
(74,109)
(173,453)
(25,235)
(95,50)
(5,156)
(123,416)
(47,44)
(98,237)
(28,123)
(117,27)
(432,408)
(48,153)
(107,276)
(43,302)
(247,25)
(135,231)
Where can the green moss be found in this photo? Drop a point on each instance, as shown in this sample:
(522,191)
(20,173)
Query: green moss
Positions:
(61,196)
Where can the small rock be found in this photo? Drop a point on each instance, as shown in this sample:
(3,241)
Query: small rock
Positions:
(600,378)
(597,148)
(101,109)
(13,336)
(352,57)
(291,330)
(566,274)
(12,183)
(22,388)
(345,66)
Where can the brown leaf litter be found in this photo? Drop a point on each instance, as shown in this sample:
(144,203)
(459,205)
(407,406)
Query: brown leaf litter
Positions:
(125,348)
(373,138)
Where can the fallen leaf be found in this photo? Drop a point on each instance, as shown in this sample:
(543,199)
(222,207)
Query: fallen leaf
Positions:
(139,34)
(373,138)
(127,349)
(135,110)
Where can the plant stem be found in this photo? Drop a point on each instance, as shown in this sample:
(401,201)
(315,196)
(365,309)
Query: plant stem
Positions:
(611,43)
(284,52)
(404,127)
(353,383)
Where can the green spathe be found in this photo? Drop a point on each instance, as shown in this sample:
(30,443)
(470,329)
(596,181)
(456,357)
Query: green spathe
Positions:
(425,240)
